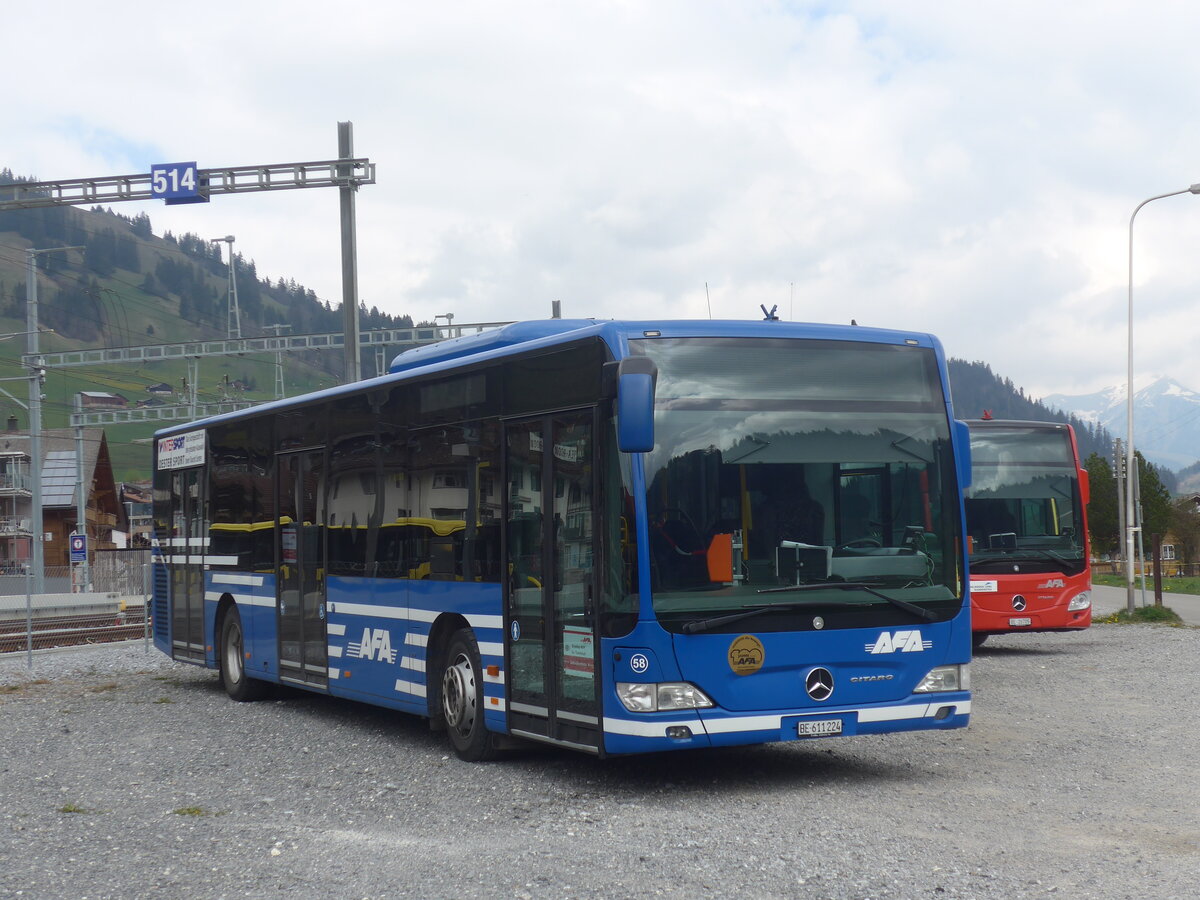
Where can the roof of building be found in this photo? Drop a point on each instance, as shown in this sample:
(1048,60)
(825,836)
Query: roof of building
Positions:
(58,460)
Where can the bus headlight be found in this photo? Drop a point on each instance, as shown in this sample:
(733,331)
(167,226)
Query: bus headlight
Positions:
(1080,601)
(666,695)
(945,678)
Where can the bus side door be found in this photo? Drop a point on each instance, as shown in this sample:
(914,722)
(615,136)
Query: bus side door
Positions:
(300,564)
(551,582)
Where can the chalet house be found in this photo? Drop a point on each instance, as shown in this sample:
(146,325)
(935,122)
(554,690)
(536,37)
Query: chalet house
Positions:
(102,400)
(104,512)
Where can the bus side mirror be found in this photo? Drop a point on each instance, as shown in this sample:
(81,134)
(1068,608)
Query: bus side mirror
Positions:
(1085,487)
(637,377)
(962,453)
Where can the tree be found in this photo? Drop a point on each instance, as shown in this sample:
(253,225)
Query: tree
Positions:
(1103,520)
(1156,500)
(1185,528)
(101,252)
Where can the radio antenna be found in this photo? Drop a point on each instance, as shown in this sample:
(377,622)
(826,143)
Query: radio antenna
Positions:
(708,299)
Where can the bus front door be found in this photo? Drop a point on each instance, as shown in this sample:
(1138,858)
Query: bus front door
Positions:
(300,564)
(189,540)
(551,585)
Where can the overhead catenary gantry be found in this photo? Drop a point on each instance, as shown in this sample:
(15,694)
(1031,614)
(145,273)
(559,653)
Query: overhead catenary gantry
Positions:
(230,180)
(379,338)
(176,183)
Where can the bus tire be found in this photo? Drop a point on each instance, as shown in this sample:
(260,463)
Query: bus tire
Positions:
(462,699)
(238,685)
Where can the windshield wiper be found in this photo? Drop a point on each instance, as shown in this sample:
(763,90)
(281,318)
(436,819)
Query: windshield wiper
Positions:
(705,624)
(1024,553)
(918,611)
(717,621)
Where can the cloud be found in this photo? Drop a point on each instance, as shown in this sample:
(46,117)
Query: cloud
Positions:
(967,169)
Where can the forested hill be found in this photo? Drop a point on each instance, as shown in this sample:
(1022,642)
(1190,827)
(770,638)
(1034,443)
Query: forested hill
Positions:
(977,388)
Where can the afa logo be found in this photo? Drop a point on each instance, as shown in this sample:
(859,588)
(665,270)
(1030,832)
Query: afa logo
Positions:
(1052,583)
(746,655)
(376,644)
(899,642)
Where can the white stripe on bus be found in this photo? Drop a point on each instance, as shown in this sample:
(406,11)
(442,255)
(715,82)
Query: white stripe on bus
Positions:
(410,687)
(231,578)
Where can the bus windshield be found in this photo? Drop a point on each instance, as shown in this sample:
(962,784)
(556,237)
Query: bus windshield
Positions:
(809,475)
(1024,503)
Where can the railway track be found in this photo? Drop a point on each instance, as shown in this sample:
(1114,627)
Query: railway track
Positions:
(69,631)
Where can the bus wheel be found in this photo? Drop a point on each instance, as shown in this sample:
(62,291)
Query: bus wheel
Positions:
(462,699)
(233,662)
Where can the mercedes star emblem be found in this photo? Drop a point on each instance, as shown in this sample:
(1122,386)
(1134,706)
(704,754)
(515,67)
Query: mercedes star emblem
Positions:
(1018,603)
(819,684)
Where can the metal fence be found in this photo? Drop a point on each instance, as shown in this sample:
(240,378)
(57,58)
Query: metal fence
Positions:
(111,607)
(1170,568)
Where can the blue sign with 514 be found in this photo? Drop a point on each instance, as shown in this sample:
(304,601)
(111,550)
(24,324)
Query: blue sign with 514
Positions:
(176,183)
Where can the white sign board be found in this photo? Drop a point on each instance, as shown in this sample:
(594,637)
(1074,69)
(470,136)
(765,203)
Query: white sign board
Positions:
(179,451)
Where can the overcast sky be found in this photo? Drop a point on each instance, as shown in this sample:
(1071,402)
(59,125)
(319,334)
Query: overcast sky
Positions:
(963,168)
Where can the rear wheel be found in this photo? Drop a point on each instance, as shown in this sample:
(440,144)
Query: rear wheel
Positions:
(462,699)
(233,661)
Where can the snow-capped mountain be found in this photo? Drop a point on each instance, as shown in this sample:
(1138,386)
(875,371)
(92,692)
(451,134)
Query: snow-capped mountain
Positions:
(1166,417)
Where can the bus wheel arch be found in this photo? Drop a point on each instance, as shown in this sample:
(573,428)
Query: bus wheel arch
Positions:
(459,696)
(440,633)
(231,654)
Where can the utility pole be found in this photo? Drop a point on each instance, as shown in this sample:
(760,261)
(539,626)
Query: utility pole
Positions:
(277,329)
(37,374)
(347,190)
(1119,470)
(81,496)
(235,316)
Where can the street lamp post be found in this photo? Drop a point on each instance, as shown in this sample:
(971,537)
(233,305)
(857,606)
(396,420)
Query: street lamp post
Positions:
(235,318)
(1132,522)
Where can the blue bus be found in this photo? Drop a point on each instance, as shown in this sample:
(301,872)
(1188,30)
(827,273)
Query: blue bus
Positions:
(617,537)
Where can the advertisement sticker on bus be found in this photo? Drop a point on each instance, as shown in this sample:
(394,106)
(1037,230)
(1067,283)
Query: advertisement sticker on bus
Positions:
(181,451)
(578,652)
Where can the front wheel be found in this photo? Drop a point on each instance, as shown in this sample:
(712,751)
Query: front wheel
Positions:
(233,662)
(462,699)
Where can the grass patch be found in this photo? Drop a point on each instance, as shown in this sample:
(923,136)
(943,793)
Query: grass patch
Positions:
(1170,584)
(194,811)
(17,688)
(164,700)
(1142,615)
(101,688)
(72,808)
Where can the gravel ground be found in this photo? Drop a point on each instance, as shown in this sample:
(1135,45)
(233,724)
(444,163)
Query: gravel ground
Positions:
(125,775)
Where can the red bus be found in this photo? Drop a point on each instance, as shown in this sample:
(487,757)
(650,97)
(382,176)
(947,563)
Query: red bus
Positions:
(1027,538)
